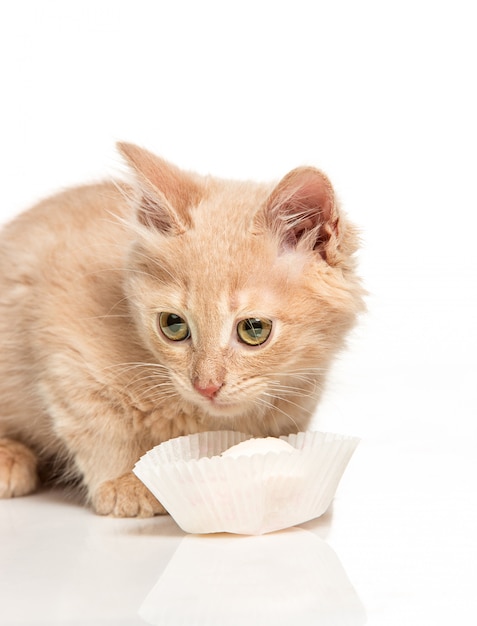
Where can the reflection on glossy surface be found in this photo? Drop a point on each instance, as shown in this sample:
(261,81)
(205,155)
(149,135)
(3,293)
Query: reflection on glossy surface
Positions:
(60,564)
(289,577)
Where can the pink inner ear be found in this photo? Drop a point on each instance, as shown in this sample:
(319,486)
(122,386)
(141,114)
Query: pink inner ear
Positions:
(155,213)
(314,196)
(302,208)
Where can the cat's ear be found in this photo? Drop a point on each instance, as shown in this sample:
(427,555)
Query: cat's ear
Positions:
(303,213)
(165,192)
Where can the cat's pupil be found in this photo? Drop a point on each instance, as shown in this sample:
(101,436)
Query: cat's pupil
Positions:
(254,327)
(175,323)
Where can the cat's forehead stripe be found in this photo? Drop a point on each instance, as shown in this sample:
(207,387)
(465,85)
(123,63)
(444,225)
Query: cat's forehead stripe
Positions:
(253,302)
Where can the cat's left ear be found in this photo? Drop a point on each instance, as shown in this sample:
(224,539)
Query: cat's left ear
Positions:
(302,211)
(165,192)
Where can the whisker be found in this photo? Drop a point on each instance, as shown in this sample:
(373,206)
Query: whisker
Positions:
(120,369)
(154,395)
(136,364)
(299,406)
(290,390)
(271,405)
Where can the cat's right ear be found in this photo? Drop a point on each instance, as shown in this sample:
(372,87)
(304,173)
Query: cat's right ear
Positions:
(302,213)
(165,193)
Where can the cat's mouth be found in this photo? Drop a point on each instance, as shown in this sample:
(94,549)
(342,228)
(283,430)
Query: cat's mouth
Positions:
(219,405)
(216,402)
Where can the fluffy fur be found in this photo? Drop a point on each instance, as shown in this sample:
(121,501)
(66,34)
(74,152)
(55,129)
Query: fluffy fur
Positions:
(88,382)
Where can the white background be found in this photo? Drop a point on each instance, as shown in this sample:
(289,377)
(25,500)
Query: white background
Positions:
(380,95)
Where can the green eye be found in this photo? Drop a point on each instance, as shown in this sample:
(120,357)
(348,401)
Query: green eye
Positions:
(173,327)
(254,331)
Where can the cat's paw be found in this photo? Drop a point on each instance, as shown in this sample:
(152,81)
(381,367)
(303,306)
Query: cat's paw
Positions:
(18,469)
(126,496)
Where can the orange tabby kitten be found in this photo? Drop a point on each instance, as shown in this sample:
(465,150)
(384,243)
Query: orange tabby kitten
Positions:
(130,314)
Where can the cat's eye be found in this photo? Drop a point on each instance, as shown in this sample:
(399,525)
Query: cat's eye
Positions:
(254,331)
(173,327)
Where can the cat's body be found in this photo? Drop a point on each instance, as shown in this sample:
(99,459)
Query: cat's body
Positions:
(256,287)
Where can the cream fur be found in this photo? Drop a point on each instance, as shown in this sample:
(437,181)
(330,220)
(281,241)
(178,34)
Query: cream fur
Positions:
(86,379)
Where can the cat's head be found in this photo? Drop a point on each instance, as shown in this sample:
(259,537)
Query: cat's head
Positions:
(242,291)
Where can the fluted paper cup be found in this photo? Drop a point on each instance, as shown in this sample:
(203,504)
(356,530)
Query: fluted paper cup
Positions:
(206,493)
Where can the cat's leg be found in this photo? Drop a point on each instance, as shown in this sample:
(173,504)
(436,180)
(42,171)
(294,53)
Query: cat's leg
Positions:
(105,467)
(103,444)
(18,469)
(122,496)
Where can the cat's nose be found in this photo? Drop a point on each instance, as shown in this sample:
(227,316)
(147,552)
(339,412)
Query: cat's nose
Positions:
(209,391)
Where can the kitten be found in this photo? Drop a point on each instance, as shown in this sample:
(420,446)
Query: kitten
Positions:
(133,313)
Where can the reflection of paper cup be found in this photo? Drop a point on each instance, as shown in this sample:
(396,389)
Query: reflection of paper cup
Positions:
(261,493)
(291,577)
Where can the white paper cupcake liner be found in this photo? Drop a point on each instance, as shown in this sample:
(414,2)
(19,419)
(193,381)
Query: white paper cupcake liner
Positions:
(207,493)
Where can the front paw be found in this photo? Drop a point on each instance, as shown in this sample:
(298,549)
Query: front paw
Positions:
(126,496)
(18,475)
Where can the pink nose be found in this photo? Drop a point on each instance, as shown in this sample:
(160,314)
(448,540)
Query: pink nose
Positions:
(210,391)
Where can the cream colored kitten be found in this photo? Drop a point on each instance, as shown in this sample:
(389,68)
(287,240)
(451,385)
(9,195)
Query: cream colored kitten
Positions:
(130,314)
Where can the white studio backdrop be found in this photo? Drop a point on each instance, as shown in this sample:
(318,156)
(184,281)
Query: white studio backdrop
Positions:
(381,95)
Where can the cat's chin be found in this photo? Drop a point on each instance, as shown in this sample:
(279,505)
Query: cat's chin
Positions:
(223,410)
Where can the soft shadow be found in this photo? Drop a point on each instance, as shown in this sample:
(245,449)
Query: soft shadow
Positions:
(158,526)
(61,495)
(287,577)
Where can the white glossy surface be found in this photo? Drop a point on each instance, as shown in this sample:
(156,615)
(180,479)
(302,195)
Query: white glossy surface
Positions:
(381,96)
(397,547)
